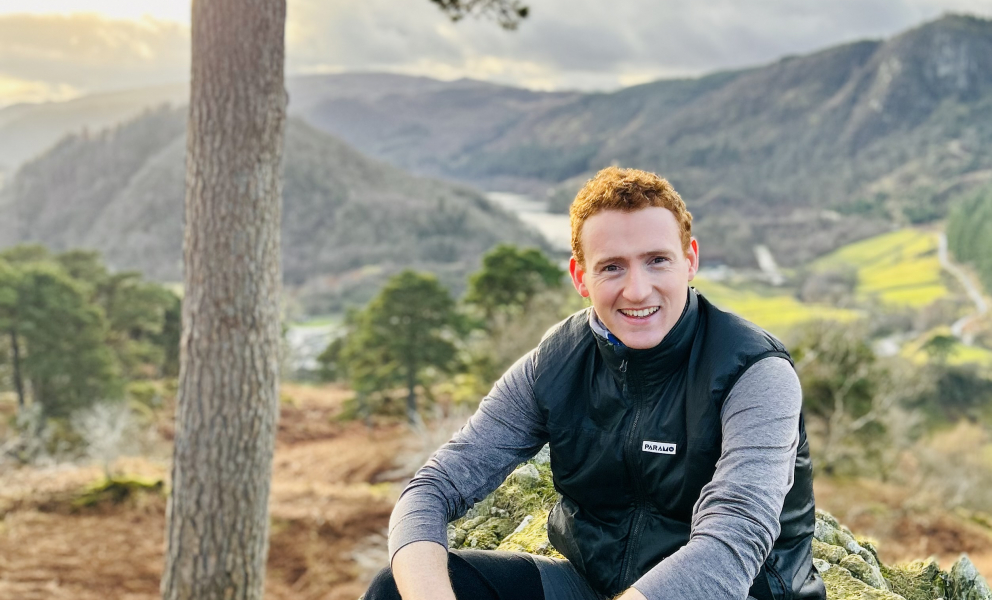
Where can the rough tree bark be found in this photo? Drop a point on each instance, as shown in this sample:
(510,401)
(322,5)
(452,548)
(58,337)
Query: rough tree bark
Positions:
(218,525)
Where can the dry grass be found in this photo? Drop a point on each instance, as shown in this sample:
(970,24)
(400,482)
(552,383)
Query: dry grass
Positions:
(333,488)
(329,515)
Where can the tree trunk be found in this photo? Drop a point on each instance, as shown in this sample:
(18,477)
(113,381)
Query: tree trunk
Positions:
(18,380)
(217,524)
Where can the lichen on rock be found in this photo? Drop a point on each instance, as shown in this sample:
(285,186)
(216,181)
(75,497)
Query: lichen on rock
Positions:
(515,518)
(966,583)
(917,580)
(522,504)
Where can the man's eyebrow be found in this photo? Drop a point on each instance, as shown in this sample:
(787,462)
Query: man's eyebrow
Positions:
(605,261)
(620,259)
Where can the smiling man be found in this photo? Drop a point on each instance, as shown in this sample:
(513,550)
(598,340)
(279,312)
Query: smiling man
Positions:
(676,438)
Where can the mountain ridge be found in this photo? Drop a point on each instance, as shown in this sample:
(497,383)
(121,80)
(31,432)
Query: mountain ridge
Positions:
(348,220)
(802,155)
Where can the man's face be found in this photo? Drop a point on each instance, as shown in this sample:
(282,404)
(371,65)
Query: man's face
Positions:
(635,272)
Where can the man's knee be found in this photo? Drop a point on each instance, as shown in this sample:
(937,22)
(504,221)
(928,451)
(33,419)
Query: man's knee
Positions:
(383,587)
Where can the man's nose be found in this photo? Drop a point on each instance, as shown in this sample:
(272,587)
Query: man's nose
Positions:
(638,286)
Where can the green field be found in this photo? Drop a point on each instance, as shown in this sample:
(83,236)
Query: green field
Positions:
(959,354)
(773,309)
(898,269)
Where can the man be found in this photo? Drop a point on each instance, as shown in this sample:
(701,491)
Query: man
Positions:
(675,432)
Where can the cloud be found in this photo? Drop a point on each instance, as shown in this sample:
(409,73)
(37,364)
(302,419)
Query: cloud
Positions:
(87,53)
(564,44)
(590,44)
(13,91)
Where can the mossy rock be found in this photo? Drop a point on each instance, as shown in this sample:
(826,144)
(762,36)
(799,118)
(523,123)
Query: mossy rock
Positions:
(864,571)
(481,539)
(515,518)
(917,580)
(526,493)
(115,490)
(842,585)
(531,536)
(966,583)
(828,552)
(870,546)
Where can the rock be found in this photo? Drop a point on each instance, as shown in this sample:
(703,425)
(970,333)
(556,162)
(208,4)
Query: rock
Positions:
(543,456)
(456,536)
(828,552)
(515,518)
(470,524)
(966,583)
(917,580)
(481,539)
(526,476)
(501,526)
(516,515)
(869,547)
(860,568)
(841,585)
(531,537)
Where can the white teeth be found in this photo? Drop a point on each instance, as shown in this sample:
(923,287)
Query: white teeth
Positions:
(640,313)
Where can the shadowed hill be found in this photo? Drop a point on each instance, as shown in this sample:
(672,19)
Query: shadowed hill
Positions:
(347,220)
(803,155)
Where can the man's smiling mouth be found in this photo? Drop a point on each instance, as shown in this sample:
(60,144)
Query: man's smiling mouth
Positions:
(643,312)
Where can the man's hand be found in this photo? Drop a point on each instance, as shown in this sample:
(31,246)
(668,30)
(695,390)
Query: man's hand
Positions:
(420,571)
(631,594)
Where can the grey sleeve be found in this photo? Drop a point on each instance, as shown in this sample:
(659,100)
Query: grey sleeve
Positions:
(736,519)
(507,429)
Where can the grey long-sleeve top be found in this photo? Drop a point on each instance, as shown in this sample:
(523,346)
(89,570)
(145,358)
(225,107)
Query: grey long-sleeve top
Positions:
(734,523)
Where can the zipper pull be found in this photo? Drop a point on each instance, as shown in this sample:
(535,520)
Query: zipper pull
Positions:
(623,366)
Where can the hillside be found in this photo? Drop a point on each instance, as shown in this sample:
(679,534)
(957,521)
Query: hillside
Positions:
(807,154)
(803,155)
(970,230)
(28,130)
(348,221)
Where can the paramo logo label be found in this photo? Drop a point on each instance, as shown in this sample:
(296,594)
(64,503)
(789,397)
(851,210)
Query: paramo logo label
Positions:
(658,447)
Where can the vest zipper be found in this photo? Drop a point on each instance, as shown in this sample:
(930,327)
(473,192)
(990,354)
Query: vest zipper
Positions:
(631,447)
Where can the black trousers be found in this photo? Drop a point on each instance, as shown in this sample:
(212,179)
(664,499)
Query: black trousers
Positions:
(477,575)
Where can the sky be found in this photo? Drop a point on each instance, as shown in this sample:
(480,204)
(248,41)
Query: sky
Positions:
(60,49)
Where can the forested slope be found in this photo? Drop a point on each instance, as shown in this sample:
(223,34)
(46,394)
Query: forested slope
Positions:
(969,233)
(347,220)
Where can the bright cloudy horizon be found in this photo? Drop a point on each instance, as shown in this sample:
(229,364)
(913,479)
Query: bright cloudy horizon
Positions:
(60,49)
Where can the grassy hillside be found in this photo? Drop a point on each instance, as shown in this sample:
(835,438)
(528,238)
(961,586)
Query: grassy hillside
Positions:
(776,310)
(898,269)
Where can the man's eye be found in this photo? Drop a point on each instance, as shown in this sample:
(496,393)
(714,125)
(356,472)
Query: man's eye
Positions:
(610,268)
(659,259)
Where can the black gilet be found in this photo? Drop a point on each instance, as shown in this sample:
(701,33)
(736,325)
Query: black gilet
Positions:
(624,508)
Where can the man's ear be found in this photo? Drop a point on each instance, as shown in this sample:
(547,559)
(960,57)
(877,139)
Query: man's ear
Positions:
(575,269)
(693,257)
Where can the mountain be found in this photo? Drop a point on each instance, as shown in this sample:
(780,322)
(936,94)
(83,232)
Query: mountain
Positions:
(348,221)
(801,155)
(28,130)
